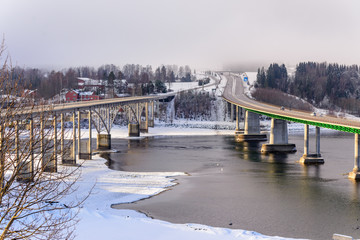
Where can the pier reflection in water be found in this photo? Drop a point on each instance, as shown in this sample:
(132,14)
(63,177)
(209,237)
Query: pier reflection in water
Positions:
(233,183)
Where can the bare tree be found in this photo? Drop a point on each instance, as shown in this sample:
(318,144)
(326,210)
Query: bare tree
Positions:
(32,187)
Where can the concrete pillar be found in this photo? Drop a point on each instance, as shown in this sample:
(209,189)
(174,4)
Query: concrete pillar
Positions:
(90,135)
(144,124)
(134,130)
(237,119)
(79,135)
(26,166)
(152,117)
(19,163)
(51,165)
(308,158)
(44,161)
(251,129)
(355,174)
(252,123)
(62,143)
(108,118)
(356,153)
(147,114)
(231,112)
(306,140)
(278,138)
(138,114)
(278,132)
(317,135)
(103,141)
(17,143)
(74,139)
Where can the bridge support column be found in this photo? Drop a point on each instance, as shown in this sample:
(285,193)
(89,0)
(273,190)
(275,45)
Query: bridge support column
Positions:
(311,158)
(151,119)
(237,129)
(51,165)
(69,158)
(278,138)
(103,141)
(25,167)
(355,174)
(89,149)
(252,129)
(134,130)
(231,112)
(144,124)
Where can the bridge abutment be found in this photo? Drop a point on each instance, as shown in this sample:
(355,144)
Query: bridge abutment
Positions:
(311,158)
(251,129)
(278,138)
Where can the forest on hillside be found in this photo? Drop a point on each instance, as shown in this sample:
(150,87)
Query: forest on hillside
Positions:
(331,86)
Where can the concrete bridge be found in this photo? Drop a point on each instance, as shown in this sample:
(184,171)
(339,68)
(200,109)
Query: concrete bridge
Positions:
(234,94)
(141,112)
(100,114)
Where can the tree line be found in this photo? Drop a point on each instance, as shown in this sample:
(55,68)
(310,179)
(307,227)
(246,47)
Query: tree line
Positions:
(50,83)
(332,86)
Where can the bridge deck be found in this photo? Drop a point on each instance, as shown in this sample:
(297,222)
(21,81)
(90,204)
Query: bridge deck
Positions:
(234,93)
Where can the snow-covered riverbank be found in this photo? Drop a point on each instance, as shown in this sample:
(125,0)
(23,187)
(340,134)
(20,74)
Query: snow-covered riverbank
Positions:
(99,221)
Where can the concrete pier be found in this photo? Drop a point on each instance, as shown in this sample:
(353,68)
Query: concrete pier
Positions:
(311,158)
(251,129)
(231,112)
(134,130)
(237,129)
(69,157)
(25,166)
(278,138)
(144,124)
(89,148)
(50,159)
(103,141)
(355,174)
(152,117)
(84,146)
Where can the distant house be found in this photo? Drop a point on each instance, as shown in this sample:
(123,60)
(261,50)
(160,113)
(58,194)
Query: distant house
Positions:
(76,95)
(88,96)
(90,84)
(72,96)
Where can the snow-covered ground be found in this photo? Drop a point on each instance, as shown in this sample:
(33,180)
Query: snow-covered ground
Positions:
(99,221)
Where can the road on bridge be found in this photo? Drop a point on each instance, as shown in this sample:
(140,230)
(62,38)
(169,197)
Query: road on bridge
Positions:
(234,93)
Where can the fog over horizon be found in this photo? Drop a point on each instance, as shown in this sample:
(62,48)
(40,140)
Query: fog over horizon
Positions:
(204,34)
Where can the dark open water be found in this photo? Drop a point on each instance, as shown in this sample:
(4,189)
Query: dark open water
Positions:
(232,185)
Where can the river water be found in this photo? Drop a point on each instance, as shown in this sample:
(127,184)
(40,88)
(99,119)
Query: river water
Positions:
(232,185)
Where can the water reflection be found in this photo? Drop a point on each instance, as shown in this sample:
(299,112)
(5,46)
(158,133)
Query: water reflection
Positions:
(311,171)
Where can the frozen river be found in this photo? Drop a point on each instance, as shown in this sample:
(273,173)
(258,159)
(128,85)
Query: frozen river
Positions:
(232,185)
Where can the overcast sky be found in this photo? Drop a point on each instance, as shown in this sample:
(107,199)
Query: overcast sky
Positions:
(200,33)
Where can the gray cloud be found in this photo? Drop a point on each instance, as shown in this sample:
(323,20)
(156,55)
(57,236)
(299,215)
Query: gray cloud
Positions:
(202,33)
